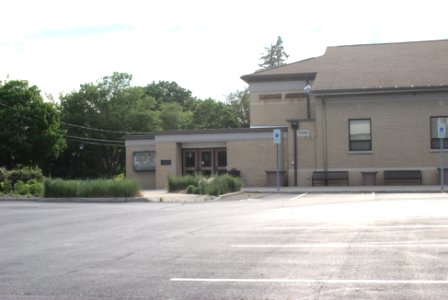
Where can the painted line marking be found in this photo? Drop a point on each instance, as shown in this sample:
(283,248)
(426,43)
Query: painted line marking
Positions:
(299,196)
(344,245)
(329,281)
(422,226)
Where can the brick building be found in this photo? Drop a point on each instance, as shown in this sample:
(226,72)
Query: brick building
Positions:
(364,109)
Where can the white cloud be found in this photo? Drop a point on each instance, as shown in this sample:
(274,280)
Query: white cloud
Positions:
(204,46)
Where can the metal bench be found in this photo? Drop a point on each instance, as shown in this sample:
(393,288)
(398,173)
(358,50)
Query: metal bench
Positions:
(324,177)
(398,176)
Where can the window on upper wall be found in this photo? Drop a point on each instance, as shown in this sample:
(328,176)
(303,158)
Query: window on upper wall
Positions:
(360,136)
(435,141)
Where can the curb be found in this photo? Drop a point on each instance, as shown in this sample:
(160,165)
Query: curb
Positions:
(77,200)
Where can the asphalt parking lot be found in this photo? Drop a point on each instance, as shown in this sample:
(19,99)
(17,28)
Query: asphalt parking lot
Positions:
(285,246)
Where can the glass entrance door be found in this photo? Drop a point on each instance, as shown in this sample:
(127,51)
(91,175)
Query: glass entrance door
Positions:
(221,161)
(204,162)
(190,162)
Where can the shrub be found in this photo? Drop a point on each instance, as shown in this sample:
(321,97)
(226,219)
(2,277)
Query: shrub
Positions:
(5,186)
(25,175)
(181,183)
(21,188)
(190,189)
(60,188)
(3,174)
(91,188)
(206,186)
(36,188)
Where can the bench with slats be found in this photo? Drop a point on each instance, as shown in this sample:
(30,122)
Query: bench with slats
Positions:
(400,176)
(326,177)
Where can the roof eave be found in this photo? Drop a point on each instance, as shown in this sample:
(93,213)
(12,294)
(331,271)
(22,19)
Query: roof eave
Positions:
(277,77)
(380,90)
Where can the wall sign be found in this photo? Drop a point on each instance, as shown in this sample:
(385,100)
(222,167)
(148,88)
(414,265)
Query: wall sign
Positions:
(144,161)
(165,162)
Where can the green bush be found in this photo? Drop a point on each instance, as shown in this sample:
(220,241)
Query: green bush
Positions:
(30,188)
(5,186)
(36,188)
(21,188)
(91,188)
(3,174)
(60,188)
(181,183)
(205,186)
(25,175)
(190,189)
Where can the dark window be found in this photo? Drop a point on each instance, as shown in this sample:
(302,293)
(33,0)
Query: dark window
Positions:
(360,137)
(206,159)
(435,141)
(270,97)
(190,159)
(295,95)
(222,158)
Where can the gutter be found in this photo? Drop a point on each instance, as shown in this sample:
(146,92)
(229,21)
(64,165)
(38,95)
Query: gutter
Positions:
(388,90)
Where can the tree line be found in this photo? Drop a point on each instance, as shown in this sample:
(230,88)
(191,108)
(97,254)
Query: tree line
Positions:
(83,135)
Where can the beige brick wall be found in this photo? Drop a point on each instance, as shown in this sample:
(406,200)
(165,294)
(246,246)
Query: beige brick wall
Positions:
(276,111)
(400,127)
(167,151)
(254,158)
(145,179)
(306,153)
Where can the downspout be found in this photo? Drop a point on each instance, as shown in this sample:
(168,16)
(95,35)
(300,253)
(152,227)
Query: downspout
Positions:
(324,134)
(308,112)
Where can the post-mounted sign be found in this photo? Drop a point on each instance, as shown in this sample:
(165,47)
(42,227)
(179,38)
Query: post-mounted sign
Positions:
(277,136)
(441,130)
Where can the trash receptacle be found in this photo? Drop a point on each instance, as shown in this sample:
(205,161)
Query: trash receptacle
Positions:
(234,172)
(369,178)
(272,178)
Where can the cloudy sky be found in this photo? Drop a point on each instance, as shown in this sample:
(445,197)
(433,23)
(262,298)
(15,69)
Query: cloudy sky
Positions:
(205,46)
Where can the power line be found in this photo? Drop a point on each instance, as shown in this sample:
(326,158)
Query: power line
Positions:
(104,130)
(93,143)
(97,140)
(92,128)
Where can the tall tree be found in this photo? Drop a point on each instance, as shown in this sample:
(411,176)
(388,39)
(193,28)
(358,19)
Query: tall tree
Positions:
(211,114)
(112,106)
(170,92)
(174,118)
(275,55)
(30,132)
(239,105)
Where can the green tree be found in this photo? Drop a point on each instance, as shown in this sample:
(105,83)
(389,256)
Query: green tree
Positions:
(30,132)
(112,106)
(174,118)
(165,92)
(210,114)
(275,55)
(239,105)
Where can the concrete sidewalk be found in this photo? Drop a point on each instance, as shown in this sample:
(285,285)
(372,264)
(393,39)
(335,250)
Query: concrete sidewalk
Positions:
(348,189)
(164,196)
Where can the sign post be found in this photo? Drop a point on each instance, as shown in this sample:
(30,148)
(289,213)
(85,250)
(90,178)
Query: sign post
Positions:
(277,141)
(441,130)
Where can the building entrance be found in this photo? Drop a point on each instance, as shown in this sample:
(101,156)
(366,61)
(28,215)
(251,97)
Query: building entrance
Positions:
(205,162)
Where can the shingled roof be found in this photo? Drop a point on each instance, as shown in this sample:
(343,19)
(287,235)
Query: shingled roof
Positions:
(408,65)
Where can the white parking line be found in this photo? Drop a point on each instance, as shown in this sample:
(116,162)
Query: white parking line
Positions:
(417,226)
(297,197)
(328,281)
(344,245)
